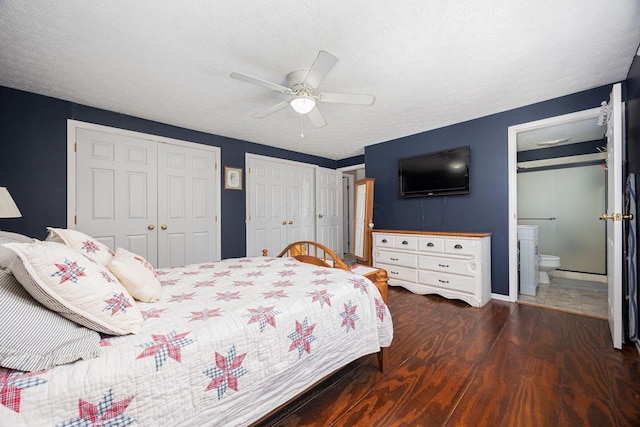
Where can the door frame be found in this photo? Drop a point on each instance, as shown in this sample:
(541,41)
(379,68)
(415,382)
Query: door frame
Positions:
(350,195)
(73,125)
(513,183)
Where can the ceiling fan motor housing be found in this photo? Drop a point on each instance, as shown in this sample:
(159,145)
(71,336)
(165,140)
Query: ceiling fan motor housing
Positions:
(296,83)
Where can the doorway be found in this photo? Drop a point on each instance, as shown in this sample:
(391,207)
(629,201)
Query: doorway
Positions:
(350,175)
(611,115)
(559,169)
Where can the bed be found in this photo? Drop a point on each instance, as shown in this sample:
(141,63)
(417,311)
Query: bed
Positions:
(225,343)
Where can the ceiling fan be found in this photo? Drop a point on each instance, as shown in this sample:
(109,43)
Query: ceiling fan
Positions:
(302,86)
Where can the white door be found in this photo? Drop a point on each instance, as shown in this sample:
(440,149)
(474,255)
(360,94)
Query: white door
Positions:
(347,213)
(116,191)
(186,209)
(300,204)
(329,209)
(614,214)
(266,206)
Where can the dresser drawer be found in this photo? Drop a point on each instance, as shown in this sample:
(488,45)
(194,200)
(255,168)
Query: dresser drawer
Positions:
(459,247)
(397,258)
(447,281)
(400,273)
(384,240)
(465,267)
(431,244)
(409,243)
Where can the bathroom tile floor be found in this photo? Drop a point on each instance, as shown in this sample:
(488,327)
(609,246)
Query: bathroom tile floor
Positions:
(571,295)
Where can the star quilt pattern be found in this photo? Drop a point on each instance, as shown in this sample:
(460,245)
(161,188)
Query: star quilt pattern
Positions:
(227,342)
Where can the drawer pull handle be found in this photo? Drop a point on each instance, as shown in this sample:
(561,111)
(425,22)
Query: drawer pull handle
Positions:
(443,281)
(458,246)
(394,259)
(394,272)
(429,245)
(443,265)
(384,240)
(404,242)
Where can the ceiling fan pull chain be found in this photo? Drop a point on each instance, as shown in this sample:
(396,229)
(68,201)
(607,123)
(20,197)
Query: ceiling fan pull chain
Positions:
(301,125)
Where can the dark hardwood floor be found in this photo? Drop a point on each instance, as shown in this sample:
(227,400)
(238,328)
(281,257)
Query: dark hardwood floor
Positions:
(503,365)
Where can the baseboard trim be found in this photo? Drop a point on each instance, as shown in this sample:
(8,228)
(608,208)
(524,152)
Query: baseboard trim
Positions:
(501,297)
(602,278)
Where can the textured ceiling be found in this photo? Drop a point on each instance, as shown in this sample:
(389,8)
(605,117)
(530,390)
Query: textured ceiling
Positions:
(428,63)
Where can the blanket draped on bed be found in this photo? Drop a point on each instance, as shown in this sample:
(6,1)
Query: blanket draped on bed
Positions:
(228,342)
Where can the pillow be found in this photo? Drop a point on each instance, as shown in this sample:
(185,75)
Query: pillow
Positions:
(33,338)
(137,275)
(73,285)
(94,249)
(7,255)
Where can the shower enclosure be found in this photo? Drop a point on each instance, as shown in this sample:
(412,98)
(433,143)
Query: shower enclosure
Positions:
(566,203)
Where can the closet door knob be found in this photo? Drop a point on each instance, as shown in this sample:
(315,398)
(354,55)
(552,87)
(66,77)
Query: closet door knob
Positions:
(151,226)
(284,222)
(163,226)
(290,222)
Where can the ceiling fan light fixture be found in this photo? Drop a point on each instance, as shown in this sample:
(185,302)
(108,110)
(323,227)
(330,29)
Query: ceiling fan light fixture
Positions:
(303,104)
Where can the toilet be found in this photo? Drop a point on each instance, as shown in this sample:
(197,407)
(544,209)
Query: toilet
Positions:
(546,264)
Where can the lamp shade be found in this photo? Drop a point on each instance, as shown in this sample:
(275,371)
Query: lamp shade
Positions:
(8,208)
(303,104)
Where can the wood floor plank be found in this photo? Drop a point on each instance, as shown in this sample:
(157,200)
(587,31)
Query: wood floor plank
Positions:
(503,365)
(577,408)
(418,393)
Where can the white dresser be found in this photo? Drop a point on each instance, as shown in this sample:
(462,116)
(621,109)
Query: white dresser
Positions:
(453,265)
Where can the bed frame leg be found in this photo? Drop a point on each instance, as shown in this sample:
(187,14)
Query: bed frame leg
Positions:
(382,358)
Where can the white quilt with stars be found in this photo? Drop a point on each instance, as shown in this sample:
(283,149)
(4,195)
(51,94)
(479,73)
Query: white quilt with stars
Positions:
(228,342)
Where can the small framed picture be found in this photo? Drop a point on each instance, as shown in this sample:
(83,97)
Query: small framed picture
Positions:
(232,178)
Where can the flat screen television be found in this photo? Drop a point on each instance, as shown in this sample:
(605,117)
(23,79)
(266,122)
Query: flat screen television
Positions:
(435,174)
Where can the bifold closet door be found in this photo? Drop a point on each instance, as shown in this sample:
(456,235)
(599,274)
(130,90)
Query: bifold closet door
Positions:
(186,216)
(280,204)
(155,199)
(267,207)
(116,182)
(329,209)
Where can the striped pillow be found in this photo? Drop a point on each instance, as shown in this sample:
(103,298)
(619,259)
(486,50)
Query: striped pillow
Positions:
(33,338)
(6,254)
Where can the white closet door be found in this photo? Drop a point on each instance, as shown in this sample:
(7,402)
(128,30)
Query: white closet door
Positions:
(266,206)
(186,208)
(300,203)
(116,191)
(329,226)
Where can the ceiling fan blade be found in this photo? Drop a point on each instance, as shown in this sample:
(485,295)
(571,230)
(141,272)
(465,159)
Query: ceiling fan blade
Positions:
(260,82)
(321,66)
(316,118)
(264,113)
(347,98)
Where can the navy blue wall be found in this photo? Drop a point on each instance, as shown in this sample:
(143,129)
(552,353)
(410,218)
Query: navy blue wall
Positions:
(33,162)
(633,132)
(486,208)
(351,161)
(589,147)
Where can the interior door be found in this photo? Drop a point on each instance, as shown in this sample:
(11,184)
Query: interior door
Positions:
(186,206)
(300,203)
(329,209)
(266,206)
(116,191)
(614,214)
